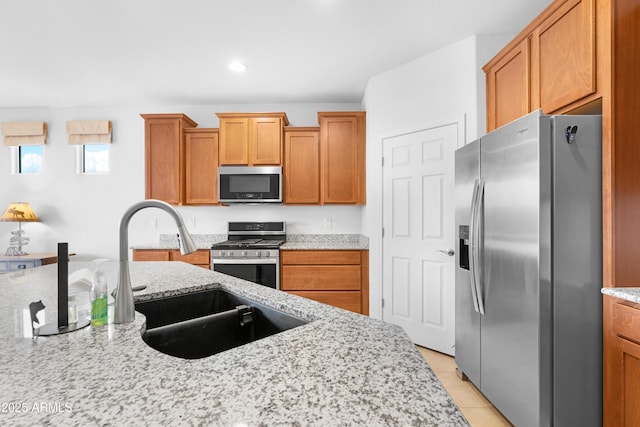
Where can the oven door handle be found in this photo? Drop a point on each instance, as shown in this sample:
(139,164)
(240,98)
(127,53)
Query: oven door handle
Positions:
(244,261)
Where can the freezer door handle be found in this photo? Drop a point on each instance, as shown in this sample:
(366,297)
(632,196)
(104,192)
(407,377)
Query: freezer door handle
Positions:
(476,247)
(472,244)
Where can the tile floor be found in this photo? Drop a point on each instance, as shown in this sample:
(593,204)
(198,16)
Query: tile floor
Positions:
(478,411)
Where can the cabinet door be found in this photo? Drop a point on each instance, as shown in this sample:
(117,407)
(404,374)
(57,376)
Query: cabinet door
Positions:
(320,278)
(320,257)
(302,167)
(347,300)
(200,257)
(342,145)
(164,156)
(163,160)
(234,141)
(627,374)
(265,141)
(508,94)
(150,255)
(201,156)
(566,46)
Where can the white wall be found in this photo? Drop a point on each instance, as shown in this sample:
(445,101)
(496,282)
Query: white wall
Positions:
(85,210)
(442,87)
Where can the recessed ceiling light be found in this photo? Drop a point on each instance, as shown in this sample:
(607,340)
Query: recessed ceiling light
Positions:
(237,66)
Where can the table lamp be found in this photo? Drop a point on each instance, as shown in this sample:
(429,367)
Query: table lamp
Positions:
(18,212)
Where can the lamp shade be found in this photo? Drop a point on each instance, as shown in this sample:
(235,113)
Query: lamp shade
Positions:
(19,212)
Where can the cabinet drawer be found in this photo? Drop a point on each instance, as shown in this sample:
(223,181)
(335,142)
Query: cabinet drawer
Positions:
(200,257)
(150,255)
(349,300)
(320,257)
(626,321)
(21,265)
(320,277)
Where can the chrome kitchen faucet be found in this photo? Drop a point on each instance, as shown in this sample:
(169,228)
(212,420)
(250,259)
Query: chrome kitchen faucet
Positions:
(124,306)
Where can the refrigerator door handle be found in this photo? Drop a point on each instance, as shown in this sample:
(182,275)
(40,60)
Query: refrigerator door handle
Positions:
(473,244)
(476,250)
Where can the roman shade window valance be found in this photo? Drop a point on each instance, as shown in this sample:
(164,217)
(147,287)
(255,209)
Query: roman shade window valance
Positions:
(89,131)
(24,133)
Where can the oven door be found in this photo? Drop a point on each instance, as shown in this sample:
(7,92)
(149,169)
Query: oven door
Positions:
(264,271)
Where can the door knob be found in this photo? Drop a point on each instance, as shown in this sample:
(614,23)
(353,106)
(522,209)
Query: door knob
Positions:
(449,252)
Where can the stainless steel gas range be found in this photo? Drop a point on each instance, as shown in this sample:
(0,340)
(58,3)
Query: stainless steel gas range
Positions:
(251,252)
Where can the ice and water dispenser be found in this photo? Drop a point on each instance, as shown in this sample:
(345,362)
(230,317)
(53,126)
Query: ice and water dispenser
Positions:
(463,250)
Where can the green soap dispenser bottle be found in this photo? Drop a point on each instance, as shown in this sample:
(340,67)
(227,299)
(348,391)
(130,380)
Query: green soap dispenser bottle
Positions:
(99,298)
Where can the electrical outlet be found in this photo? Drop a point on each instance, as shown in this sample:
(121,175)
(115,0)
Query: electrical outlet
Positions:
(327,223)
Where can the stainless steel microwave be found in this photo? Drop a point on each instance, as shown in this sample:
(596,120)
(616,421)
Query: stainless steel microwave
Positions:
(250,184)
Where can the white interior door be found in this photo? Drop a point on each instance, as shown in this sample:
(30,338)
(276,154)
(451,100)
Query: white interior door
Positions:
(418,242)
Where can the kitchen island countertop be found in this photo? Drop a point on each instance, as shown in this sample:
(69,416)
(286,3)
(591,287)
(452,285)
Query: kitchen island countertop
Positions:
(340,369)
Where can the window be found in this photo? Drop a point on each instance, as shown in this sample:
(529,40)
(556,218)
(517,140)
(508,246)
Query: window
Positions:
(92,139)
(27,159)
(95,158)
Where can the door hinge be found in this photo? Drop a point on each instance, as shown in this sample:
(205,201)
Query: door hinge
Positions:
(382,302)
(383,162)
(382,231)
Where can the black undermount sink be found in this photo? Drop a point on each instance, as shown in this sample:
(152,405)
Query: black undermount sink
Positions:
(199,324)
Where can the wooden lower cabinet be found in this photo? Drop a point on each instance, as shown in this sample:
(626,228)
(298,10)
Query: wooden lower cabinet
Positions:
(200,258)
(335,277)
(622,365)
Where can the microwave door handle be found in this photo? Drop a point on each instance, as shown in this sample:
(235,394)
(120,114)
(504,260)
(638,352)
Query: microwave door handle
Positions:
(477,249)
(472,261)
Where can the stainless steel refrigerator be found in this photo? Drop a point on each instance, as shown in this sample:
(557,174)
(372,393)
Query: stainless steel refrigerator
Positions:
(529,269)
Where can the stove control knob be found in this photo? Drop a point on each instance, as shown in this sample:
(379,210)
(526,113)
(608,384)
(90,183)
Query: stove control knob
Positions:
(260,253)
(243,253)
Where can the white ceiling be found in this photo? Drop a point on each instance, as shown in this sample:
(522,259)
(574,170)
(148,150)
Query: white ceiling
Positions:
(129,52)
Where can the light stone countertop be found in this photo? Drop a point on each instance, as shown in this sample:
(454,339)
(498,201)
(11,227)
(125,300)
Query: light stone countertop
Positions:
(340,369)
(294,242)
(628,294)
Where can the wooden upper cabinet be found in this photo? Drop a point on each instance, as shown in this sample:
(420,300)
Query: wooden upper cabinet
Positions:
(342,154)
(251,138)
(164,156)
(566,55)
(201,166)
(301,165)
(553,64)
(265,141)
(234,141)
(508,86)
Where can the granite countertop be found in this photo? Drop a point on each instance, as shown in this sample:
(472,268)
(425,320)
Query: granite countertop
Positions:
(340,369)
(628,294)
(294,242)
(326,242)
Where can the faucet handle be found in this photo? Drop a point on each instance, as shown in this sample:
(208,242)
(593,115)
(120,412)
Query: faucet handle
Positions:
(185,241)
